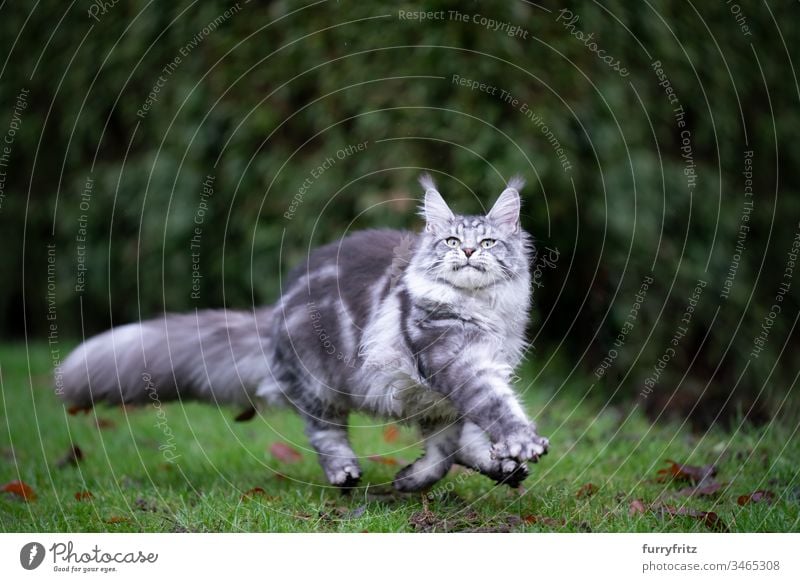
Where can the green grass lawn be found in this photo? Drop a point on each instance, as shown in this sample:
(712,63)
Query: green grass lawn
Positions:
(133,487)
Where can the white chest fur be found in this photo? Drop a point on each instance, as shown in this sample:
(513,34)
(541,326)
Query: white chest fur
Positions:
(389,372)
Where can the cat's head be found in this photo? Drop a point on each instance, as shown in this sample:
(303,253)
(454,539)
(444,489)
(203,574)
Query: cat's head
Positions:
(473,252)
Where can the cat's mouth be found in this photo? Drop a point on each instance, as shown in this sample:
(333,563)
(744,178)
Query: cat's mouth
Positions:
(471,266)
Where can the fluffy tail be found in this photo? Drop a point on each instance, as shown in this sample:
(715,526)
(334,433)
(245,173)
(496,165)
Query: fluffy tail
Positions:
(216,355)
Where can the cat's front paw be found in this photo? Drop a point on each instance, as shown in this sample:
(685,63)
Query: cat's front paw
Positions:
(509,472)
(344,474)
(523,444)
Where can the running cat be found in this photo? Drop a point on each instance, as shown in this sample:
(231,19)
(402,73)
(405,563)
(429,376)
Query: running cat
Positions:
(424,328)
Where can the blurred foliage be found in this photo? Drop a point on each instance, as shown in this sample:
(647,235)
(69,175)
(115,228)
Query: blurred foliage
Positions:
(263,97)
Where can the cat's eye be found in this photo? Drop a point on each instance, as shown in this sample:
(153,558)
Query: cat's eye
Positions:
(452,242)
(488,243)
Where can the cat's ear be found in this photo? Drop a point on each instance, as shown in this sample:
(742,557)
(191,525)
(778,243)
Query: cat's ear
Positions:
(435,210)
(505,211)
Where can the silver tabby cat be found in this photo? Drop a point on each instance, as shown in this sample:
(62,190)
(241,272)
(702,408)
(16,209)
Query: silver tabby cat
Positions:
(424,328)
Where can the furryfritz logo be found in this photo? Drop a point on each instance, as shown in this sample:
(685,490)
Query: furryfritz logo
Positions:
(31,555)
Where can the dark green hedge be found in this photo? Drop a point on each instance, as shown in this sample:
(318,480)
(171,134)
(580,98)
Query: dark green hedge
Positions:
(264,94)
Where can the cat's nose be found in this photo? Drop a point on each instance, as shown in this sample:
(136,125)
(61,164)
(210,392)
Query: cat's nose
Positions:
(468,251)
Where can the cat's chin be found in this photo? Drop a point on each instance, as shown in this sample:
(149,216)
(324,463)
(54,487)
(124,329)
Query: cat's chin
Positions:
(470,278)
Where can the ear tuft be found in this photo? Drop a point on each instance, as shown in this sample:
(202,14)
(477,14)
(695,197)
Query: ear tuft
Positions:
(507,208)
(516,182)
(435,210)
(427,183)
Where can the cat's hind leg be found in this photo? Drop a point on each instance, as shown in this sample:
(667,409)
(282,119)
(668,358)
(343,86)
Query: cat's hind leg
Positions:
(474,452)
(327,432)
(441,445)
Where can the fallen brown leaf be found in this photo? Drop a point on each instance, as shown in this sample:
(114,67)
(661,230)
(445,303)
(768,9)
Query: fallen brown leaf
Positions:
(756,497)
(586,491)
(117,519)
(391,433)
(384,460)
(710,519)
(284,452)
(543,519)
(71,458)
(103,423)
(83,495)
(707,489)
(713,521)
(250,493)
(690,473)
(20,489)
(637,506)
(73,410)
